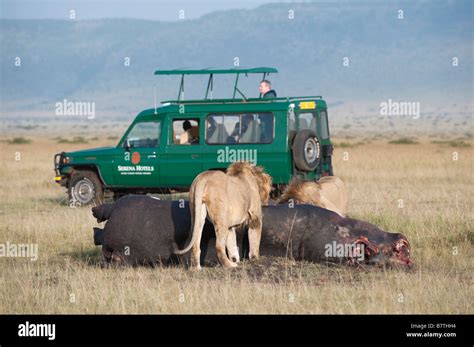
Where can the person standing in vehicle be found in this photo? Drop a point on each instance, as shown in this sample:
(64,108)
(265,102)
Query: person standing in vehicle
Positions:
(266,91)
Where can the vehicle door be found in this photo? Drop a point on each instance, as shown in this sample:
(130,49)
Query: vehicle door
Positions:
(183,151)
(137,163)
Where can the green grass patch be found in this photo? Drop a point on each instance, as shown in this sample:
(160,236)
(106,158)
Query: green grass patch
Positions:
(27,127)
(18,141)
(343,145)
(348,144)
(452,143)
(404,141)
(74,140)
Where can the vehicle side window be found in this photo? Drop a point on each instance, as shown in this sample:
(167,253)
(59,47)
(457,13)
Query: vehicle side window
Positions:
(143,135)
(291,124)
(323,116)
(291,120)
(240,128)
(265,127)
(219,128)
(185,131)
(307,121)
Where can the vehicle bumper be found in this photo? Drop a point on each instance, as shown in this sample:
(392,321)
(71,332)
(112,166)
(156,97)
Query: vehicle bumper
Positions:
(61,180)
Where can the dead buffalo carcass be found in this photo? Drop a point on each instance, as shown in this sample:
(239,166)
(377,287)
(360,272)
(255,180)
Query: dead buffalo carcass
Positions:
(144,230)
(312,233)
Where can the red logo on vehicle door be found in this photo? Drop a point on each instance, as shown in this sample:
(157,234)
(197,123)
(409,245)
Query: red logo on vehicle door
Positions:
(135,158)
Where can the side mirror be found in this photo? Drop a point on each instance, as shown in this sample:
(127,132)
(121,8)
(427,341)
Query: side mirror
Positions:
(127,144)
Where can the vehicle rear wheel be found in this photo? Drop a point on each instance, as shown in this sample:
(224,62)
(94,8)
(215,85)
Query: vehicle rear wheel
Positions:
(306,150)
(85,188)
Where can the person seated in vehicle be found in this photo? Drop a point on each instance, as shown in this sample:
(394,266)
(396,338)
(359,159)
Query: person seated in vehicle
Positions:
(241,130)
(190,135)
(266,91)
(212,131)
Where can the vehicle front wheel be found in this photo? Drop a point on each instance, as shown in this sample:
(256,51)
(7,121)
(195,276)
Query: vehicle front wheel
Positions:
(85,188)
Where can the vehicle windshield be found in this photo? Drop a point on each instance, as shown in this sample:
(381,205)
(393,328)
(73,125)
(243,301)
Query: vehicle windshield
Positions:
(143,135)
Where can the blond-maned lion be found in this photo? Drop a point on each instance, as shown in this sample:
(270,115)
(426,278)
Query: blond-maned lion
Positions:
(229,200)
(328,192)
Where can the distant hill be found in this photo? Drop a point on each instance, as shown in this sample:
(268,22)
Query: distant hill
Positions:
(407,59)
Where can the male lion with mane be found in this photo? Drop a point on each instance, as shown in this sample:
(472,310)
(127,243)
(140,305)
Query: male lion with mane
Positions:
(328,192)
(228,200)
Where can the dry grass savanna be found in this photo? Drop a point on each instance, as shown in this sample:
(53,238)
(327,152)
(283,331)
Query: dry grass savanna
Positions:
(417,189)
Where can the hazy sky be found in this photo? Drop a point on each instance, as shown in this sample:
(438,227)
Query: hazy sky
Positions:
(143,9)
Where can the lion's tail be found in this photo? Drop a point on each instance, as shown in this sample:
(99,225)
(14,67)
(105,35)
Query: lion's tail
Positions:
(198,214)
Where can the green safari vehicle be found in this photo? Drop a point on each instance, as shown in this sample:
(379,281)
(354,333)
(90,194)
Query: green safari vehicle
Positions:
(166,147)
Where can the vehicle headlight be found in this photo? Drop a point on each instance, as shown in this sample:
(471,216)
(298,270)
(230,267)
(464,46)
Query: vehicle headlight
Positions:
(66,160)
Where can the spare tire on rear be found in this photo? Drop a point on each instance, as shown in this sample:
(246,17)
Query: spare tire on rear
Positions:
(306,150)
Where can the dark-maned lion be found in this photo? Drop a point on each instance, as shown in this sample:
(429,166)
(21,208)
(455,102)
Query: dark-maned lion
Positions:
(229,200)
(328,192)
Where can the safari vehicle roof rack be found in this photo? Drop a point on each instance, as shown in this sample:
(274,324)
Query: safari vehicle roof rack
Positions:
(211,72)
(233,101)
